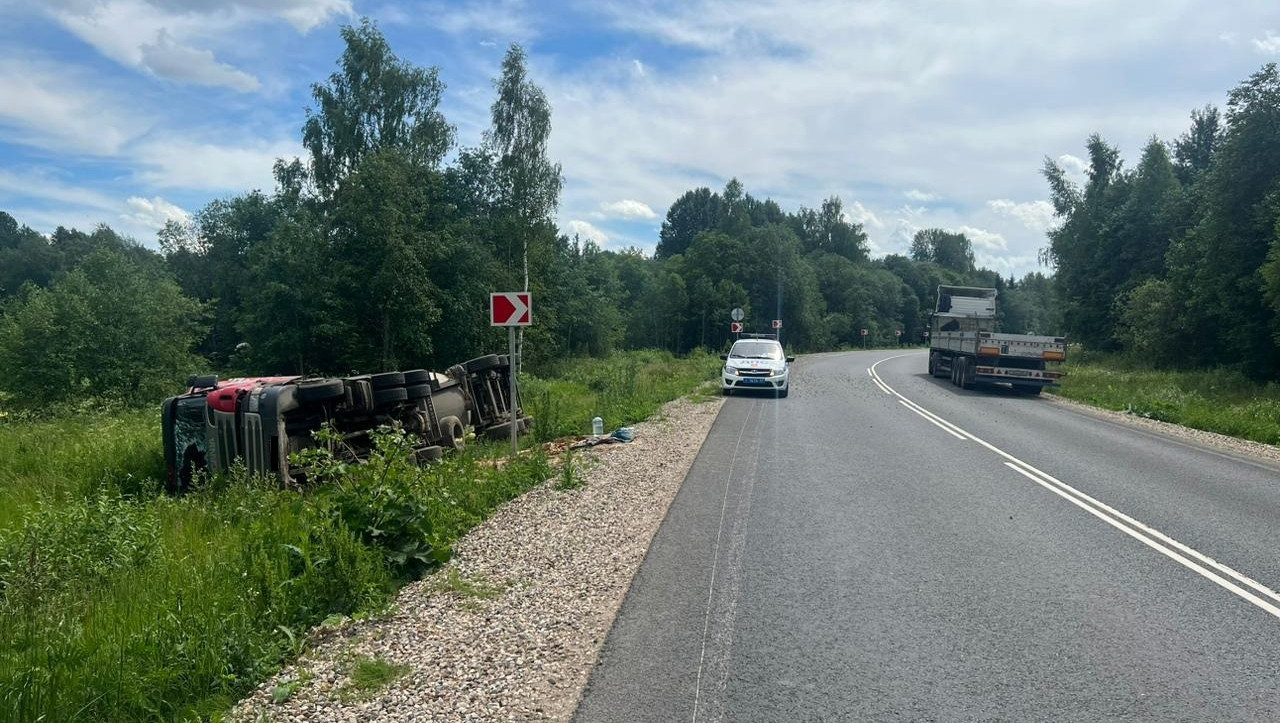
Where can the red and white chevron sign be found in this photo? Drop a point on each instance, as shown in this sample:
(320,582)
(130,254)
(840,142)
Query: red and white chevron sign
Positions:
(510,308)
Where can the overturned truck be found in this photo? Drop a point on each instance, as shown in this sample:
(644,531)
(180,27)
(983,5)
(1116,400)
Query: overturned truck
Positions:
(262,421)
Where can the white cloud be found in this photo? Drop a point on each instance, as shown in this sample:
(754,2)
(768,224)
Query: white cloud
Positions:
(60,109)
(627,209)
(505,19)
(164,37)
(168,59)
(1073,164)
(1269,43)
(862,215)
(921,196)
(588,232)
(153,213)
(185,163)
(983,239)
(640,71)
(40,185)
(1035,215)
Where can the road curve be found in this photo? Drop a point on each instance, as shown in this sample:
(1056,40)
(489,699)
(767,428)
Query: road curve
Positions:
(884,546)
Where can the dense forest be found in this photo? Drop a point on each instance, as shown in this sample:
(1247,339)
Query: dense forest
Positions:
(1178,260)
(379,249)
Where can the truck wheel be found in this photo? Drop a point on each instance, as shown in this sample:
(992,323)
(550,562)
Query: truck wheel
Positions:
(418,391)
(955,367)
(967,374)
(933,365)
(413,377)
(386,380)
(479,364)
(388,396)
(453,435)
(320,390)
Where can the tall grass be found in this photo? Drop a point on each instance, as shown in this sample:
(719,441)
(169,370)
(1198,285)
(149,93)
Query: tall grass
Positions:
(622,389)
(1215,400)
(120,604)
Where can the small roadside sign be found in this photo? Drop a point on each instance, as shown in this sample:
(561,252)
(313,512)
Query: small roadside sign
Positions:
(777,323)
(864,332)
(736,314)
(898,332)
(735,327)
(510,308)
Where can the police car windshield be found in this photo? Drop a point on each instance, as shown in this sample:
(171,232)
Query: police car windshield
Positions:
(756,350)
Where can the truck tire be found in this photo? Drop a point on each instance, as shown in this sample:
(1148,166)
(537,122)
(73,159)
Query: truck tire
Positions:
(955,368)
(452,434)
(414,377)
(320,390)
(967,374)
(389,396)
(418,391)
(386,380)
(479,364)
(933,365)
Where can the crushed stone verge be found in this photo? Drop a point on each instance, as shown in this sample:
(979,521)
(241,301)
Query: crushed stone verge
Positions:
(510,629)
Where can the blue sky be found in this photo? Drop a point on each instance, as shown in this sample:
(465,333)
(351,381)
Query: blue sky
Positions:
(133,112)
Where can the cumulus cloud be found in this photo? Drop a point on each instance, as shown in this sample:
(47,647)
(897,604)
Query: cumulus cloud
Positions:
(588,232)
(1035,215)
(627,209)
(1268,44)
(984,239)
(862,215)
(1073,164)
(153,213)
(920,196)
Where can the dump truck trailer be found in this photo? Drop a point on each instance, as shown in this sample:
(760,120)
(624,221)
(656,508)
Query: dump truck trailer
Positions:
(964,345)
(261,422)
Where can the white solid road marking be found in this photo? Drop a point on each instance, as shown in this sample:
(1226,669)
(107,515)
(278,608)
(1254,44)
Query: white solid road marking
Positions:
(1140,531)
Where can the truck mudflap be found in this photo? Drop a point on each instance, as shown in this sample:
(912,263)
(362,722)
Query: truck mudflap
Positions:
(1010,374)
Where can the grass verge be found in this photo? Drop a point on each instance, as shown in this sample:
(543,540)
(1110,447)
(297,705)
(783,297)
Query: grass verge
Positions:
(120,604)
(622,389)
(1217,400)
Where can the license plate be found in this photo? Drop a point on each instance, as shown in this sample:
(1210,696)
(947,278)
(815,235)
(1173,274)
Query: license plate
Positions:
(754,381)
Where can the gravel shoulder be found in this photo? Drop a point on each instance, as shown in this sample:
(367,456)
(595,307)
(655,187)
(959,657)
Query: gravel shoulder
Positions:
(1256,451)
(510,629)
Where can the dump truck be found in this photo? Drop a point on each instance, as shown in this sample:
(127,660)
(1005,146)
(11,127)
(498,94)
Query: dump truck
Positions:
(964,344)
(261,422)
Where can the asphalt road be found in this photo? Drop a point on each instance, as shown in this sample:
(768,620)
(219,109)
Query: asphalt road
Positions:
(842,556)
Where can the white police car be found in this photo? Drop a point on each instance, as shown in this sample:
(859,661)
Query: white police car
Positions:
(756,362)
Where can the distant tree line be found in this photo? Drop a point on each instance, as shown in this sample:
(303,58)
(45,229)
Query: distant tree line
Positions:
(376,252)
(1177,261)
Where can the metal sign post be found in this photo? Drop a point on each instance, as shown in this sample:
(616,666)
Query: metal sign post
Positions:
(511,309)
(511,387)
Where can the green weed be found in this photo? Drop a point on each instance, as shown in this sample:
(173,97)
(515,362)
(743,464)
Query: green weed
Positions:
(370,675)
(1217,400)
(118,603)
(622,389)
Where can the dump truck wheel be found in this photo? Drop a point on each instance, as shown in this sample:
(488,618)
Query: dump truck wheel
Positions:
(386,380)
(320,390)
